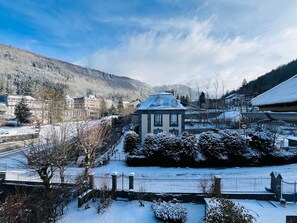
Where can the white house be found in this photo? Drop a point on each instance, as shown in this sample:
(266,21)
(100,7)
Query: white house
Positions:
(158,113)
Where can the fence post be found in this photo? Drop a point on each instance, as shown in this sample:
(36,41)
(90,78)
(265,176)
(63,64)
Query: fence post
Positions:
(91,179)
(276,185)
(114,185)
(217,185)
(273,181)
(295,192)
(131,181)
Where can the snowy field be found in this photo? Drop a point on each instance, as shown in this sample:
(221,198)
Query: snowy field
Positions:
(131,212)
(12,131)
(124,212)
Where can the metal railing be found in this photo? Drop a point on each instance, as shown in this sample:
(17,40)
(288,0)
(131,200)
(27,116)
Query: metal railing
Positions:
(255,185)
(161,185)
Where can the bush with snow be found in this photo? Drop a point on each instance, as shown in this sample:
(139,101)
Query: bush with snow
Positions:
(130,141)
(213,148)
(226,211)
(222,145)
(170,212)
(262,141)
(172,149)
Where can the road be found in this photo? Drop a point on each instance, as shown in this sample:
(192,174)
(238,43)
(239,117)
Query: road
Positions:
(12,159)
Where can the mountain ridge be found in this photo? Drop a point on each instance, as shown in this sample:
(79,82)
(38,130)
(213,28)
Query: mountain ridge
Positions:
(17,65)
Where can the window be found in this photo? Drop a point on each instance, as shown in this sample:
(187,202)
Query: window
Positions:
(158,119)
(174,132)
(156,131)
(173,119)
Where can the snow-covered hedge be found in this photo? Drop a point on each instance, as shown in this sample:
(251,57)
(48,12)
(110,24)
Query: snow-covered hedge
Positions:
(262,141)
(212,148)
(170,212)
(221,145)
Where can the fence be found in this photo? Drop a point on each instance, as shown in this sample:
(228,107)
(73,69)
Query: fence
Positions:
(289,191)
(112,153)
(161,185)
(118,156)
(30,176)
(184,185)
(245,185)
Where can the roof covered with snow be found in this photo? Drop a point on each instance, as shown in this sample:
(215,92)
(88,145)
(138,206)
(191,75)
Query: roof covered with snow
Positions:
(27,97)
(285,92)
(162,101)
(292,138)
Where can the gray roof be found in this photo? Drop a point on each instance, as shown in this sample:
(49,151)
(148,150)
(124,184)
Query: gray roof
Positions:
(285,92)
(162,101)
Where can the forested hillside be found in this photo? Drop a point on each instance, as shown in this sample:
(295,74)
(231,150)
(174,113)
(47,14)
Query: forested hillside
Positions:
(23,72)
(269,80)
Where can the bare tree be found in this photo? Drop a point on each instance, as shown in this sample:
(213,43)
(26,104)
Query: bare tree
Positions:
(62,148)
(90,141)
(216,86)
(14,209)
(40,158)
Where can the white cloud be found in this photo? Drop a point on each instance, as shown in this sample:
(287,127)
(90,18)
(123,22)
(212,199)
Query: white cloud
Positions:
(181,50)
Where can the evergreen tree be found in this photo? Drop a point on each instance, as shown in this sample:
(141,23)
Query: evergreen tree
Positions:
(202,99)
(112,110)
(184,100)
(2,85)
(120,105)
(24,87)
(9,87)
(103,108)
(22,112)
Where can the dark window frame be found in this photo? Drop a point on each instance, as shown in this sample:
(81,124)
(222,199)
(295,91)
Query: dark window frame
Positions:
(157,122)
(170,120)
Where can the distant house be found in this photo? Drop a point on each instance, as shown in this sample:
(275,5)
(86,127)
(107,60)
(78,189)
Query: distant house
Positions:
(3,108)
(281,98)
(292,140)
(134,104)
(11,101)
(234,98)
(89,102)
(158,113)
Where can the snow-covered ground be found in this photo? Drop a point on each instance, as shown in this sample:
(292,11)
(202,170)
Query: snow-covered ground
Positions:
(124,212)
(231,115)
(162,179)
(130,212)
(268,211)
(12,131)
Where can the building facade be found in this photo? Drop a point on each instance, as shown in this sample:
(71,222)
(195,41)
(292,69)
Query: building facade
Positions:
(160,113)
(11,101)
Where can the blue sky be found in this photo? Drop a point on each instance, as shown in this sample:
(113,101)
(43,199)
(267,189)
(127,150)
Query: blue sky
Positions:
(191,42)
